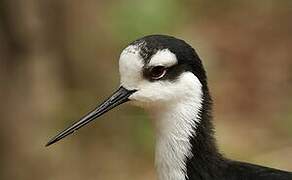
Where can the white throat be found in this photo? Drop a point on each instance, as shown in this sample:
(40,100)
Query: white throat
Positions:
(175,124)
(174,105)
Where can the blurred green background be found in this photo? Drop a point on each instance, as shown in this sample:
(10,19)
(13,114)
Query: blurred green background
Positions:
(59,59)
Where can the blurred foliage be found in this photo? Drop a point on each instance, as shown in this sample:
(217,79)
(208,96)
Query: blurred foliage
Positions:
(131,19)
(58,59)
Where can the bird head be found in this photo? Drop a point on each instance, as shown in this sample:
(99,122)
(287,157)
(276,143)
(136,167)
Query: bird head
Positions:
(156,71)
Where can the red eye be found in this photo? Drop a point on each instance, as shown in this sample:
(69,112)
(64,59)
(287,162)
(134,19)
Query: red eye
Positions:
(157,72)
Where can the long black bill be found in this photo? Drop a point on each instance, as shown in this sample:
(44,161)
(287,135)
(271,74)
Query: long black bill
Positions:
(118,97)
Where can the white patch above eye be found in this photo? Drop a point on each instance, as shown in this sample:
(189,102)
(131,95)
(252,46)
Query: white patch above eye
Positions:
(163,58)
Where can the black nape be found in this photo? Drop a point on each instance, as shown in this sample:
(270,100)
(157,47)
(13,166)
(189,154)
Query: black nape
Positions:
(206,163)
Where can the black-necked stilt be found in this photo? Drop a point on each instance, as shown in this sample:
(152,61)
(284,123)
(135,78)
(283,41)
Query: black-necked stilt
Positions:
(166,77)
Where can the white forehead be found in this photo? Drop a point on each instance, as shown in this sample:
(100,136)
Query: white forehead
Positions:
(131,64)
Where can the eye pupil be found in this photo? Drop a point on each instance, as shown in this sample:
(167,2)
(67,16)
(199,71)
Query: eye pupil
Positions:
(157,72)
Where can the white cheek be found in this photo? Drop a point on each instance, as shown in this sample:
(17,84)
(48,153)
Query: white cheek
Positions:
(151,92)
(159,92)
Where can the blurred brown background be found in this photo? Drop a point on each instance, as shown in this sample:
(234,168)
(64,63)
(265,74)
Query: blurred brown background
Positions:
(59,58)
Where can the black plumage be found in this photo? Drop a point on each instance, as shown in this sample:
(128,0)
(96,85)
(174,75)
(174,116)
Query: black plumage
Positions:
(206,163)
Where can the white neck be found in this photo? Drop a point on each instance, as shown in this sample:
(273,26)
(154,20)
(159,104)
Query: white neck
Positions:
(175,124)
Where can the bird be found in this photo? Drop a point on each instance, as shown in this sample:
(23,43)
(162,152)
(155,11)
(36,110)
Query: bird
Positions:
(165,76)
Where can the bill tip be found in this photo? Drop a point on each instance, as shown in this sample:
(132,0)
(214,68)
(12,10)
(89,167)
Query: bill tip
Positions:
(50,142)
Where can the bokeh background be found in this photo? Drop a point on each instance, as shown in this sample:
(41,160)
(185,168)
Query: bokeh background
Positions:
(59,58)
